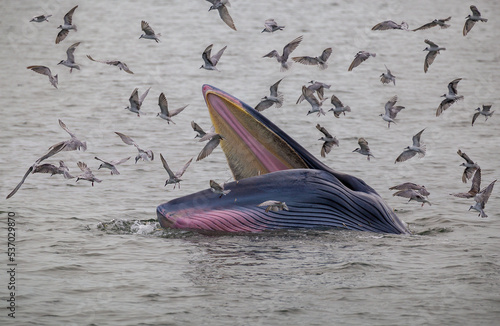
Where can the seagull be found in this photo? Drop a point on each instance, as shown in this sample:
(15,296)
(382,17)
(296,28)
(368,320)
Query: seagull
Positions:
(210,146)
(486,112)
(45,71)
(145,155)
(286,52)
(211,61)
(174,178)
(43,168)
(482,198)
(275,98)
(389,24)
(359,58)
(111,164)
(470,166)
(201,133)
(339,107)
(70,61)
(311,99)
(409,185)
(387,77)
(436,22)
(317,87)
(410,151)
(218,188)
(328,139)
(471,20)
(450,98)
(271,26)
(41,18)
(311,61)
(363,149)
(274,205)
(67,26)
(474,189)
(87,174)
(148,32)
(220,5)
(413,195)
(122,65)
(165,113)
(391,111)
(135,101)
(433,49)
(71,144)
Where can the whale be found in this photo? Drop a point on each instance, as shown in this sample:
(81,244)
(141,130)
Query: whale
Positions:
(268,165)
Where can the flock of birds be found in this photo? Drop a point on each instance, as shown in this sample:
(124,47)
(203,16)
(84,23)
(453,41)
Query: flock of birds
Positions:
(312,93)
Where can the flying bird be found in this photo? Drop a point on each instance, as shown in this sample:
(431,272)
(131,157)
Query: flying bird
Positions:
(41,18)
(472,19)
(338,107)
(70,61)
(111,164)
(86,174)
(271,26)
(412,195)
(211,61)
(311,99)
(201,133)
(210,146)
(317,87)
(481,199)
(363,149)
(121,65)
(486,112)
(149,33)
(359,58)
(145,155)
(389,24)
(174,178)
(329,141)
(165,112)
(274,205)
(410,151)
(312,61)
(470,166)
(410,185)
(388,77)
(275,98)
(474,189)
(136,102)
(45,71)
(67,26)
(436,22)
(283,59)
(221,6)
(391,111)
(450,98)
(433,49)
(218,188)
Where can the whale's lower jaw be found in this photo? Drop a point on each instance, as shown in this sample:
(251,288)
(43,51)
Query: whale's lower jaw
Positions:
(315,198)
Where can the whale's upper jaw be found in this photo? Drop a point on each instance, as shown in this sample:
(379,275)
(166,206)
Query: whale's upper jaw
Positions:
(252,144)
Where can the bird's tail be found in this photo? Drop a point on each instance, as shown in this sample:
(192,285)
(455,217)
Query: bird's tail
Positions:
(347,108)
(423,150)
(280,100)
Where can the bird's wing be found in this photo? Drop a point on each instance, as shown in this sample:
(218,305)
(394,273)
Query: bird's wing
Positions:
(54,149)
(92,59)
(429,59)
(226,17)
(146,28)
(486,108)
(61,35)
(63,125)
(323,130)
(430,43)
(123,160)
(407,154)
(215,58)
(486,192)
(166,167)
(476,182)
(474,117)
(162,102)
(445,104)
(452,86)
(309,96)
(83,166)
(209,147)
(326,54)
(206,54)
(134,98)
(272,54)
(305,60)
(197,128)
(426,26)
(143,96)
(363,144)
(274,88)
(41,70)
(177,111)
(13,192)
(326,148)
(184,168)
(126,139)
(465,157)
(410,193)
(68,18)
(264,104)
(102,160)
(390,104)
(358,59)
(70,52)
(475,11)
(416,138)
(215,185)
(290,47)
